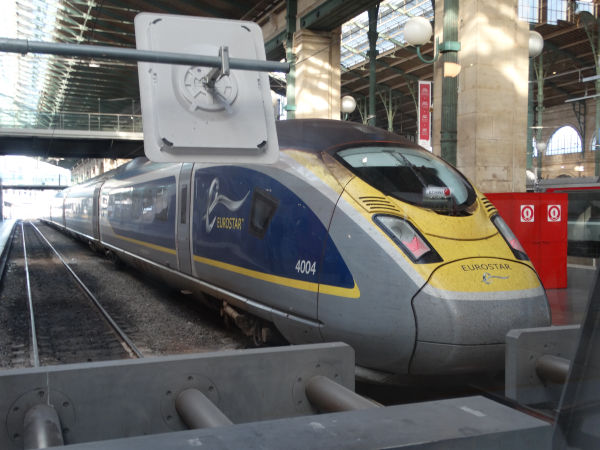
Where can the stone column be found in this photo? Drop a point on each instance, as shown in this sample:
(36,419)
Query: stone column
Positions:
(492,94)
(318,75)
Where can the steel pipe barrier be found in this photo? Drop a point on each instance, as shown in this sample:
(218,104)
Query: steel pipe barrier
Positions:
(42,428)
(328,396)
(197,411)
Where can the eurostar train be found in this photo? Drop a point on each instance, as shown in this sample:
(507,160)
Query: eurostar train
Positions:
(355,235)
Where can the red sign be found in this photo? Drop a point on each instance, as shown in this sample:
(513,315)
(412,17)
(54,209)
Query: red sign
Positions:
(554,213)
(537,221)
(527,213)
(424,113)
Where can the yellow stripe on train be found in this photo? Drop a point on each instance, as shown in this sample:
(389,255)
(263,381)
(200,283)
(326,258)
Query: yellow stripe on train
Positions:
(158,248)
(283,281)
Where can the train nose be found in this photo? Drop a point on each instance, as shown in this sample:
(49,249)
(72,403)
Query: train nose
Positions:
(462,327)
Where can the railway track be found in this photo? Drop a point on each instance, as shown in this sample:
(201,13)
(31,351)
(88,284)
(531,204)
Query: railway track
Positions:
(159,320)
(66,322)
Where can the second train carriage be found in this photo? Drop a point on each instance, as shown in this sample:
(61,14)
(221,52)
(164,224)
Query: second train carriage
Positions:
(354,235)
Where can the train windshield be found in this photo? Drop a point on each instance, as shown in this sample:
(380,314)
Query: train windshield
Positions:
(411,175)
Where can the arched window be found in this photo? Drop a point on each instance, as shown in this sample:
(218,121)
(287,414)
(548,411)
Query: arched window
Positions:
(564,140)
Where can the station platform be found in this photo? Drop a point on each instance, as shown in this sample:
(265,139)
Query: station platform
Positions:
(6,228)
(569,305)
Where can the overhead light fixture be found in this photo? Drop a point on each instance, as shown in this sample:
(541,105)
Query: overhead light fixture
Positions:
(541,146)
(348,104)
(93,64)
(536,44)
(417,32)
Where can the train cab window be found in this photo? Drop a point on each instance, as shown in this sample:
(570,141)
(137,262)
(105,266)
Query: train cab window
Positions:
(263,209)
(412,175)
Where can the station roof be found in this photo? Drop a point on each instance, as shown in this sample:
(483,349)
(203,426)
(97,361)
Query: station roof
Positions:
(41,84)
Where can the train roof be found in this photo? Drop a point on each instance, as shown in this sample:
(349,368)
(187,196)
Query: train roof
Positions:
(317,135)
(312,135)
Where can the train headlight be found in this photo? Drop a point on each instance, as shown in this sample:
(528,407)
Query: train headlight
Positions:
(510,238)
(408,239)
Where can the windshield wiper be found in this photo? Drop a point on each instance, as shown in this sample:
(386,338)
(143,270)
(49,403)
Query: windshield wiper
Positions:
(409,164)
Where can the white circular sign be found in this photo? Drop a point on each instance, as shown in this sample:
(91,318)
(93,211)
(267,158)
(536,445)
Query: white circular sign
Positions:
(527,213)
(554,213)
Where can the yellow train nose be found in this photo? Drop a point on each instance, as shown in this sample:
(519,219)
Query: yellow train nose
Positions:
(462,328)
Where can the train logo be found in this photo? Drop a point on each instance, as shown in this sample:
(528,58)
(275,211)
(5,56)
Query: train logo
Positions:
(487,277)
(527,213)
(554,213)
(215,199)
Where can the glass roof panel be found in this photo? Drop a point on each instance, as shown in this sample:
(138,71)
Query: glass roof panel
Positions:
(392,16)
(39,82)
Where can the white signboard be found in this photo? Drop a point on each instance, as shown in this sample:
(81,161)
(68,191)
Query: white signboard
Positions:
(554,213)
(527,213)
(187,116)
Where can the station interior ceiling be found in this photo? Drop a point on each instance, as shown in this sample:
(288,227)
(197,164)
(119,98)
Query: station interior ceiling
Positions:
(52,84)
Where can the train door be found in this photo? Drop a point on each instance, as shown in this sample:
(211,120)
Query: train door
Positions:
(63,207)
(96,212)
(184,255)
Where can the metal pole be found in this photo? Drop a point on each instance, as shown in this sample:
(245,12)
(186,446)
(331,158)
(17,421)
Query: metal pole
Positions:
(329,396)
(42,428)
(540,111)
(530,117)
(449,85)
(24,46)
(597,153)
(197,411)
(373,35)
(552,368)
(290,92)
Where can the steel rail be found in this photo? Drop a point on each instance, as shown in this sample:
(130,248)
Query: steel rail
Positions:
(106,315)
(35,350)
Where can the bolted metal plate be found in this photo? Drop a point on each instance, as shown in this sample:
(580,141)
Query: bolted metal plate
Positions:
(16,412)
(172,390)
(301,402)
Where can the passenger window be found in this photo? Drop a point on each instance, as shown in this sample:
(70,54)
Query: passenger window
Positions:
(263,209)
(161,202)
(147,205)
